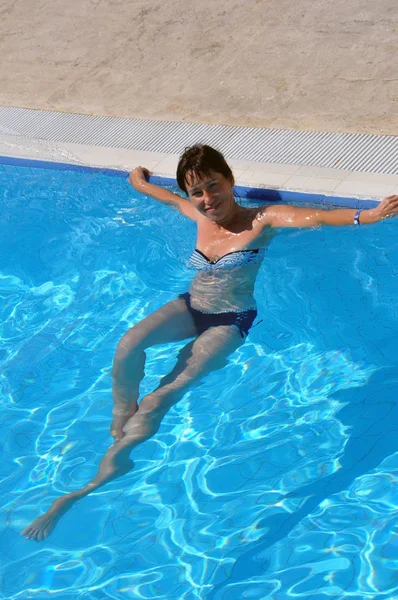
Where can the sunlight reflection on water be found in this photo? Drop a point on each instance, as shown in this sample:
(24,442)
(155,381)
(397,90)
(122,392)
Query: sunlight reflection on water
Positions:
(274,478)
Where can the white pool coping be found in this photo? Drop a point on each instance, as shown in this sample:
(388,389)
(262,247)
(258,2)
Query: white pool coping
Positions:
(290,177)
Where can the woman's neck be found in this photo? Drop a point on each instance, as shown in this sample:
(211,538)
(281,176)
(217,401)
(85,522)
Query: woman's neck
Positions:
(230,219)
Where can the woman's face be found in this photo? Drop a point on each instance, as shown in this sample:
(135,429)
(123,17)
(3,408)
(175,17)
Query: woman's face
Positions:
(212,195)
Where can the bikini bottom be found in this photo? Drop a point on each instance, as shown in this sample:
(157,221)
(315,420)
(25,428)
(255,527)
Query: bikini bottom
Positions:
(242,320)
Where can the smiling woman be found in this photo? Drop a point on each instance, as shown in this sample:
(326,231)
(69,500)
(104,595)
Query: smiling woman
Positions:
(216,313)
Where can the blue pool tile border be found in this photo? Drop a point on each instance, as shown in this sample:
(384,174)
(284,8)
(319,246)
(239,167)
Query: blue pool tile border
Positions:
(13,161)
(251,193)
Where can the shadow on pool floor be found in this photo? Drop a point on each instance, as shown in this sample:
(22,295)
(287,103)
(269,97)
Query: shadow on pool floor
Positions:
(371,414)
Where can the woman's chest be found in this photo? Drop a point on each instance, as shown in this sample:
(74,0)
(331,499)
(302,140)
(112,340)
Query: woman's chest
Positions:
(215,244)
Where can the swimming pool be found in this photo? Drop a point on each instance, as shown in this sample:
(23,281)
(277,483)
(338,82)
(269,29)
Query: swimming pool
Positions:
(275,478)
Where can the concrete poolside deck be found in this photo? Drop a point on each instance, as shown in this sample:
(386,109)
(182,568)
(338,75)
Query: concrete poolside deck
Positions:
(124,143)
(325,66)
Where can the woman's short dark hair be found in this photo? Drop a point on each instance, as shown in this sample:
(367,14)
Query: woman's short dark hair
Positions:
(199,160)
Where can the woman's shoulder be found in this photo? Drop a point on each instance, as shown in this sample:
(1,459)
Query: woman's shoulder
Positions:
(263,232)
(257,215)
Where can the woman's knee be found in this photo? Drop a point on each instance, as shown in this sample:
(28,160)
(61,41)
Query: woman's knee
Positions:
(156,405)
(130,352)
(146,421)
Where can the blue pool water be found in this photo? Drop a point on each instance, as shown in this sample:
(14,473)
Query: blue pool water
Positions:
(275,478)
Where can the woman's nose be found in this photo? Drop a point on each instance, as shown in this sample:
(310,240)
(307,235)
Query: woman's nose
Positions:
(206,196)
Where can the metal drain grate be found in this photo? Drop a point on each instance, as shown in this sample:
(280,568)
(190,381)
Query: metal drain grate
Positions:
(356,152)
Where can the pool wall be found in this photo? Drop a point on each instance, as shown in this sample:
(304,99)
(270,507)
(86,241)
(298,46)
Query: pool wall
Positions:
(247,192)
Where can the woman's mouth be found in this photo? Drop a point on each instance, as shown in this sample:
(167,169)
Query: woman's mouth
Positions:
(213,208)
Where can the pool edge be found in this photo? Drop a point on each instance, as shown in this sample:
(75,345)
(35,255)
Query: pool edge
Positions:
(265,194)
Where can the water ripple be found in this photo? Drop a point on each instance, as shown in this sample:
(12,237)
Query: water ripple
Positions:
(274,478)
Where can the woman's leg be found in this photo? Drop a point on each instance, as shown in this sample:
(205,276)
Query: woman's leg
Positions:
(205,354)
(171,323)
(197,359)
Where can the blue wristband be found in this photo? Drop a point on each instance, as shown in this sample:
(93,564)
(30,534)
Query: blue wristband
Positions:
(356,217)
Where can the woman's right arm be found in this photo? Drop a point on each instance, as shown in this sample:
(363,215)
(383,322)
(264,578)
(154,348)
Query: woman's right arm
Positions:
(138,179)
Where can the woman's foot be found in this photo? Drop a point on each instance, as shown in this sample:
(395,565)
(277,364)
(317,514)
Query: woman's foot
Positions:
(115,463)
(44,525)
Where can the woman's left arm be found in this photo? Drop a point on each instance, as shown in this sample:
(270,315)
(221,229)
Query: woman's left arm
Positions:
(292,216)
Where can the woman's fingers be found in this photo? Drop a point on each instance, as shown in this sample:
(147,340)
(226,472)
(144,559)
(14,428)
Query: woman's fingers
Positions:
(139,173)
(391,199)
(389,205)
(146,172)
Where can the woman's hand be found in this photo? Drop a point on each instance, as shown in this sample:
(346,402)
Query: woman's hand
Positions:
(387,208)
(138,176)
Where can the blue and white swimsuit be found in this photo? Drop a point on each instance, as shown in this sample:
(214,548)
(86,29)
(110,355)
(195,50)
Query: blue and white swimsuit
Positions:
(242,319)
(231,260)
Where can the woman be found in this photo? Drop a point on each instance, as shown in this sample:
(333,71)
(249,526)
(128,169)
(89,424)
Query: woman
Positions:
(216,313)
